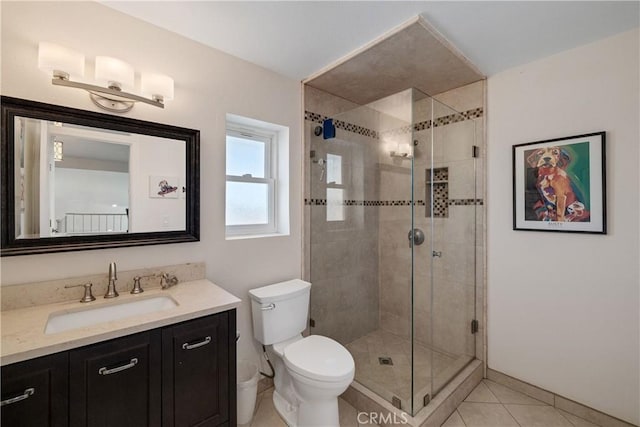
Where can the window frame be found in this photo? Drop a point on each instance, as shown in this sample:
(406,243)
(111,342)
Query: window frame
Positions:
(269,139)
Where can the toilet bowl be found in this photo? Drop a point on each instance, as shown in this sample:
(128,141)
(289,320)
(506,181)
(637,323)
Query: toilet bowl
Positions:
(310,372)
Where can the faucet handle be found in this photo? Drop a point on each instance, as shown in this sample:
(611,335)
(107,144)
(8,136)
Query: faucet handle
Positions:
(137,289)
(168,280)
(88,295)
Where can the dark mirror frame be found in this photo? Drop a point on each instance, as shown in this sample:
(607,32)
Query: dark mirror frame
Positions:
(12,107)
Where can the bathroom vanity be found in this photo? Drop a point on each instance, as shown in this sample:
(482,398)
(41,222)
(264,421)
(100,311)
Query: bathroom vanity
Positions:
(171,367)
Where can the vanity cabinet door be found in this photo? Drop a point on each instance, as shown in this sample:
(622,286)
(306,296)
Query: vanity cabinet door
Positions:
(116,383)
(198,368)
(34,393)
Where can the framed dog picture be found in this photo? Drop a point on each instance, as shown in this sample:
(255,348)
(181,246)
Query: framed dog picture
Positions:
(164,187)
(559,185)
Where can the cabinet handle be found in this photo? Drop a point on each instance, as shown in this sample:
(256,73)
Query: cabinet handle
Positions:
(25,395)
(105,371)
(187,346)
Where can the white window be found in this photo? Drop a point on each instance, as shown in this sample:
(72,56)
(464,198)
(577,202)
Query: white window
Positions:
(251,181)
(335,188)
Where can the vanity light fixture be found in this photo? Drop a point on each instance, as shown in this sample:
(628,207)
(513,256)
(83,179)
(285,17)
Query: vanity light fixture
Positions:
(116,76)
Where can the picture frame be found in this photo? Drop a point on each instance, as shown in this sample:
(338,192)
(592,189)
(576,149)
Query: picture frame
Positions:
(560,185)
(164,187)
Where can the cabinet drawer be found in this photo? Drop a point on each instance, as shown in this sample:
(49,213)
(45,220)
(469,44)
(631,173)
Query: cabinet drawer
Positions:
(34,393)
(116,383)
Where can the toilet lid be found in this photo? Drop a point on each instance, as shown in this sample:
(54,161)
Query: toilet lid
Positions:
(319,358)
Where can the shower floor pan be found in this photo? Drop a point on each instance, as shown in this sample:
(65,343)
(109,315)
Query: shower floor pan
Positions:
(391,381)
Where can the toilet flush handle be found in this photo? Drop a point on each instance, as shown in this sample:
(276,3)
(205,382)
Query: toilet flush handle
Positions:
(268,307)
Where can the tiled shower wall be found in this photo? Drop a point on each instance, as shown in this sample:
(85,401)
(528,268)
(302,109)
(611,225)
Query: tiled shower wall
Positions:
(342,254)
(362,267)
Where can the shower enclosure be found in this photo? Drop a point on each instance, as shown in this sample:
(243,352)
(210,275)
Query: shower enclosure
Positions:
(394,209)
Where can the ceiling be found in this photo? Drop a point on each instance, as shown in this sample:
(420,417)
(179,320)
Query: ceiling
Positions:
(301,38)
(413,57)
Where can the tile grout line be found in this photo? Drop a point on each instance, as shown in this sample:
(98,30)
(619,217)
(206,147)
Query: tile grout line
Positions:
(509,412)
(460,415)
(492,403)
(564,416)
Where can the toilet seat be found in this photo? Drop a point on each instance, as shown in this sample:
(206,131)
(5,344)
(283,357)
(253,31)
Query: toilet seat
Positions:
(319,358)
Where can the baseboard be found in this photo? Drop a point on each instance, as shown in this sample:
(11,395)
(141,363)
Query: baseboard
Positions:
(560,402)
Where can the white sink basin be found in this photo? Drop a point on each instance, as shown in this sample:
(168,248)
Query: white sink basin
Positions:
(68,320)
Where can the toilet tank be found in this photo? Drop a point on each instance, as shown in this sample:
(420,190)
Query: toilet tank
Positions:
(280,311)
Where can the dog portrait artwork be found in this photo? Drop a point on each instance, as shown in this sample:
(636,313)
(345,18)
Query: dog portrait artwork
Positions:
(555,184)
(163,187)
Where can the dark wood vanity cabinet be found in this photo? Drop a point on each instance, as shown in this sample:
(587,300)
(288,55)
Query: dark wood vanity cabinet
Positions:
(116,383)
(35,392)
(197,379)
(182,375)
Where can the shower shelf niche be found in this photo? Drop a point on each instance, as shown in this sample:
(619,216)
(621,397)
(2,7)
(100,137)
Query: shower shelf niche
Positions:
(439,183)
(396,155)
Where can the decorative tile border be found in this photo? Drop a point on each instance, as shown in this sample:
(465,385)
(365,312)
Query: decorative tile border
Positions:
(450,202)
(466,202)
(340,124)
(424,125)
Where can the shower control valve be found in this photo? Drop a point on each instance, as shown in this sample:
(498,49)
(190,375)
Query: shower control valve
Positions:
(416,237)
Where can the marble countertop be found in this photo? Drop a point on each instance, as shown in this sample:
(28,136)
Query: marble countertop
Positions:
(23,330)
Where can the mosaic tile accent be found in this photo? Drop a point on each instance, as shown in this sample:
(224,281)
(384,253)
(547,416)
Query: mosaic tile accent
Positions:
(315,202)
(340,124)
(424,125)
(356,129)
(449,202)
(466,202)
(439,174)
(314,117)
(323,202)
(440,206)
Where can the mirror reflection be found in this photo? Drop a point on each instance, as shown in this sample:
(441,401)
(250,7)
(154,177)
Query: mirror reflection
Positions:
(76,180)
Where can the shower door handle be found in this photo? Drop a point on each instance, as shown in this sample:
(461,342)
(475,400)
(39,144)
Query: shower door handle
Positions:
(416,237)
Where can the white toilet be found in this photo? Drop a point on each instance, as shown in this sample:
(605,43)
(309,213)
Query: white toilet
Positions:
(310,372)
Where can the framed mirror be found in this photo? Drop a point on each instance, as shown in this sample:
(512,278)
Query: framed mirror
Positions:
(78,180)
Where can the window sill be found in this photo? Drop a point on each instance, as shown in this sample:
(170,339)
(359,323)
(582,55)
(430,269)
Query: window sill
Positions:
(255,236)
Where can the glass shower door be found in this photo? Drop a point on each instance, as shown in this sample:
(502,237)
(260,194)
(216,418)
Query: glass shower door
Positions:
(444,270)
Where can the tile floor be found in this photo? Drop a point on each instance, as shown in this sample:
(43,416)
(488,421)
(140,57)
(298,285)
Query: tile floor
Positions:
(489,405)
(493,405)
(266,415)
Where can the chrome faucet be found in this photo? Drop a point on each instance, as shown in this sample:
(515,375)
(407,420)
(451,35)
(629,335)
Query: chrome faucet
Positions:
(111,289)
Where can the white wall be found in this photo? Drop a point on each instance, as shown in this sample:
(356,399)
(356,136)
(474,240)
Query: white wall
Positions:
(563,309)
(209,84)
(90,191)
(151,156)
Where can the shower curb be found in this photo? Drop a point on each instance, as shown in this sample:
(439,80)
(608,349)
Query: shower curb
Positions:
(433,415)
